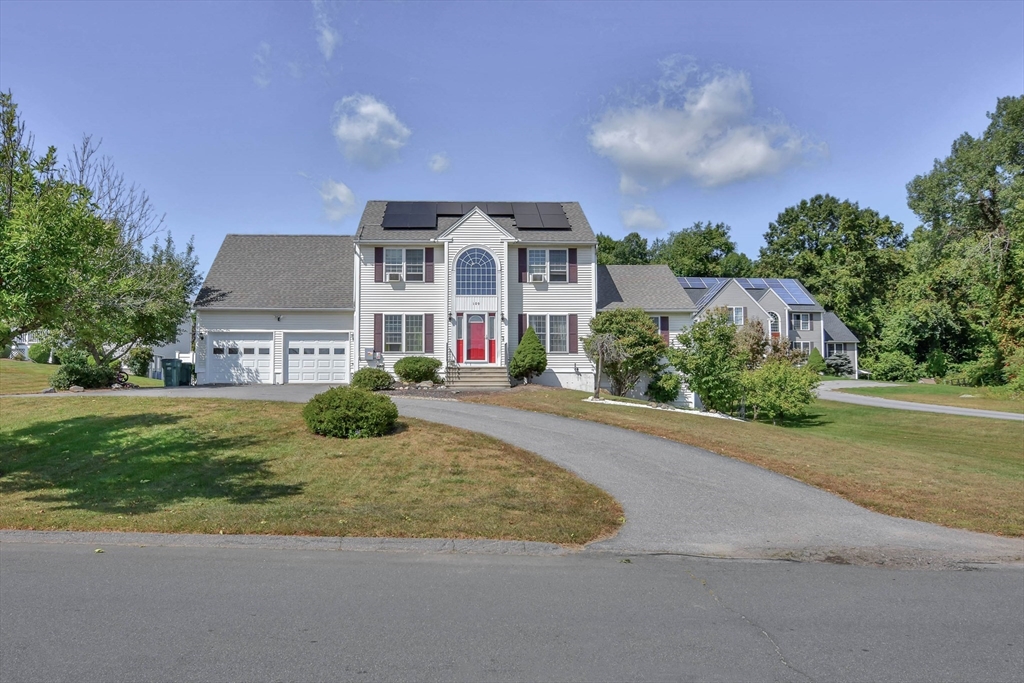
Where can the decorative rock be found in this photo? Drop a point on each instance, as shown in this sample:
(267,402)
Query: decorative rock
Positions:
(48,390)
(76,389)
(425,385)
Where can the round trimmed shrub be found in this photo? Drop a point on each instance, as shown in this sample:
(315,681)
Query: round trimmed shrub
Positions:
(139,360)
(39,353)
(418,369)
(665,387)
(84,375)
(348,413)
(372,379)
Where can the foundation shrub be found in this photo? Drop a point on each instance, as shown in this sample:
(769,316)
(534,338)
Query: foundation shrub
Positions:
(349,413)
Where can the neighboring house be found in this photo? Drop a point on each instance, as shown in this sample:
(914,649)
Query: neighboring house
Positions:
(455,281)
(783,306)
(180,348)
(839,339)
(21,344)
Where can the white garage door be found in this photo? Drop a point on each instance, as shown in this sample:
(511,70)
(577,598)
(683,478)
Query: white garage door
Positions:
(241,359)
(320,358)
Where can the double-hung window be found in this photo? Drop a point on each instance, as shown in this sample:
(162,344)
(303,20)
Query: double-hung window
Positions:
(804,346)
(551,264)
(736,315)
(408,263)
(403,333)
(802,321)
(552,330)
(835,348)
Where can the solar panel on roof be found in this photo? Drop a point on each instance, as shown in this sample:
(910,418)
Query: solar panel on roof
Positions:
(524,207)
(550,208)
(423,220)
(692,282)
(398,208)
(449,209)
(797,292)
(529,221)
(499,209)
(555,221)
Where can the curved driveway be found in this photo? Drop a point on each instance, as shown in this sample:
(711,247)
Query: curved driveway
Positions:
(681,499)
(827,391)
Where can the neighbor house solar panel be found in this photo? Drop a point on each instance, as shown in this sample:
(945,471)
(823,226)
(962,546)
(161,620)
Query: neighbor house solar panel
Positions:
(529,221)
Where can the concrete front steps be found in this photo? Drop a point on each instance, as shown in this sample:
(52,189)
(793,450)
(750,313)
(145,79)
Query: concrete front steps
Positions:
(480,377)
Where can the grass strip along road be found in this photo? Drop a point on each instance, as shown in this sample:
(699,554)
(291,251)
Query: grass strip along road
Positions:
(960,472)
(982,398)
(240,467)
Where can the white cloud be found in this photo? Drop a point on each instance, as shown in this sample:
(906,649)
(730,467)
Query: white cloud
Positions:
(699,126)
(262,61)
(439,163)
(642,217)
(339,200)
(295,70)
(368,131)
(327,37)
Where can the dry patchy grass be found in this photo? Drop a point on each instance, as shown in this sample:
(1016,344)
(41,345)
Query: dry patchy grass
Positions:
(209,466)
(959,472)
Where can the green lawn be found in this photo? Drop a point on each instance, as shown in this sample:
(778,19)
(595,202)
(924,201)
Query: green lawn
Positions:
(26,377)
(208,466)
(955,471)
(983,398)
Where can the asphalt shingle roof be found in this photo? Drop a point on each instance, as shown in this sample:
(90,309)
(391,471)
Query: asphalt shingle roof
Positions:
(836,330)
(370,229)
(280,271)
(652,288)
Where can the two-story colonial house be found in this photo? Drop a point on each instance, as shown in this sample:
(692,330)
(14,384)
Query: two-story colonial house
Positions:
(456,281)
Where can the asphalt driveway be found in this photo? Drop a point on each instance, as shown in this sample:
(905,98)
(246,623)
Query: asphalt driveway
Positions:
(827,392)
(681,499)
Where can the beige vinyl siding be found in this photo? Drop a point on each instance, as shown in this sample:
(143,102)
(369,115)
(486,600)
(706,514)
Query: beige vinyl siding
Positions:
(559,298)
(414,298)
(213,322)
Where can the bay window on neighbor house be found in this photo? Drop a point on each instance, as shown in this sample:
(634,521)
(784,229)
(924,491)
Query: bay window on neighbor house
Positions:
(407,263)
(552,330)
(403,333)
(551,264)
(736,315)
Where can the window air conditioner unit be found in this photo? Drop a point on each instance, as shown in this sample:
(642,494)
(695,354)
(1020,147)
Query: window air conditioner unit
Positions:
(394,277)
(536,277)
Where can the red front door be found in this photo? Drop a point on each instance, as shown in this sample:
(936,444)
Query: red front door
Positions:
(477,338)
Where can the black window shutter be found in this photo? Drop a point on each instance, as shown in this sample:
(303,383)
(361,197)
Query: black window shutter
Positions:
(428,264)
(522,265)
(378,264)
(664,328)
(522,321)
(378,332)
(428,331)
(574,332)
(573,267)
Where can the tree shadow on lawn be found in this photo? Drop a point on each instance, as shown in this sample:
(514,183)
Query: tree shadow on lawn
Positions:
(805,421)
(132,464)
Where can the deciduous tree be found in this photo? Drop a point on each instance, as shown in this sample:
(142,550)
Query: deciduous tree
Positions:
(639,341)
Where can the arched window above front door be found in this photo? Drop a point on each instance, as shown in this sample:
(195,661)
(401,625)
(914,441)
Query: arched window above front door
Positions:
(476,274)
(773,323)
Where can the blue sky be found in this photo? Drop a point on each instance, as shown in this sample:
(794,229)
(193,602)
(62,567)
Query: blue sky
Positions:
(286,117)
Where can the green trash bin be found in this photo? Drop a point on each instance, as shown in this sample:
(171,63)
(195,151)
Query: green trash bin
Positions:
(185,375)
(172,370)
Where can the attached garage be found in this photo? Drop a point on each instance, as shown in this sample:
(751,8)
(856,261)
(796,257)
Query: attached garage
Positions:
(277,309)
(317,358)
(241,359)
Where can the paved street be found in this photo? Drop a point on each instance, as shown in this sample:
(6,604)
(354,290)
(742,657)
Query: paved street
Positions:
(828,391)
(203,614)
